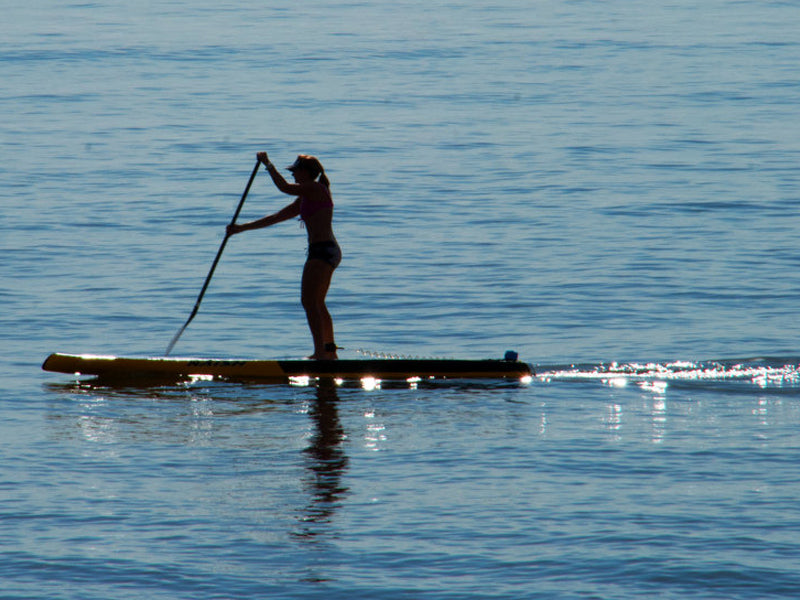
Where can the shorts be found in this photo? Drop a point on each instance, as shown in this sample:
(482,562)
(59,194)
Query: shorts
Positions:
(326,251)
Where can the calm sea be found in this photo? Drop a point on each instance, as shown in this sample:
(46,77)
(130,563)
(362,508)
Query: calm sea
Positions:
(608,188)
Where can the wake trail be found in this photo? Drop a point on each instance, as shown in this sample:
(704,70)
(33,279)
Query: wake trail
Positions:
(762,372)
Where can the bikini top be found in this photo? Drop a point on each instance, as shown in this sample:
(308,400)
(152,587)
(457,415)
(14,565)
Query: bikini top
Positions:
(308,206)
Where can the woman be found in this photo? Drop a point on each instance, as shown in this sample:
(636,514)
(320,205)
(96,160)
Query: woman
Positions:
(314,205)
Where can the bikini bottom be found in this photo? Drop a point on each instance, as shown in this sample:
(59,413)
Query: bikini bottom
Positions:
(326,251)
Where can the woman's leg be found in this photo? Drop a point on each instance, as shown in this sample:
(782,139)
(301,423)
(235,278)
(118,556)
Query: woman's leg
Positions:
(316,281)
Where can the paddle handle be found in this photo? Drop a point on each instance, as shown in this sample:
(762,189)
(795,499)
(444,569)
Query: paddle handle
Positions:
(214,264)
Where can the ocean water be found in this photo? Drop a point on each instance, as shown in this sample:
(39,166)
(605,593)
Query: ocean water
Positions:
(610,189)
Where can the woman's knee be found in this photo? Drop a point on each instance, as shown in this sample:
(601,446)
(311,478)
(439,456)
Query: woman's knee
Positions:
(312,302)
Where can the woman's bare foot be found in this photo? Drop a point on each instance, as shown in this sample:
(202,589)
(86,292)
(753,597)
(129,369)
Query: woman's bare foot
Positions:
(327,355)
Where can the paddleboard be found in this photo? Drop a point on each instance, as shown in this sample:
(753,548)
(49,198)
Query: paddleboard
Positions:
(111,367)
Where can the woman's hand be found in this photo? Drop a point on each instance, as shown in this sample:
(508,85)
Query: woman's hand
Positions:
(233,229)
(262,156)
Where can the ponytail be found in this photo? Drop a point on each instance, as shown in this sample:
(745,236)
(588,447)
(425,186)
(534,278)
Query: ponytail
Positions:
(323,179)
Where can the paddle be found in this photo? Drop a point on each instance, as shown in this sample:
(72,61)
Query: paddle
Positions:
(214,265)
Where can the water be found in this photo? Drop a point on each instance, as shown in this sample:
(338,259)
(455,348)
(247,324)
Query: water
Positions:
(609,189)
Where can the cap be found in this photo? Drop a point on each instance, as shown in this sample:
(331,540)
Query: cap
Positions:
(307,163)
(301,162)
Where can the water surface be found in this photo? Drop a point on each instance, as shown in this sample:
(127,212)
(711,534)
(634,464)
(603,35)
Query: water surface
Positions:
(608,189)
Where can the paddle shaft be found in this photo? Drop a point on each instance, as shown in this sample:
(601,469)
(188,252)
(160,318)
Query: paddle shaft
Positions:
(214,265)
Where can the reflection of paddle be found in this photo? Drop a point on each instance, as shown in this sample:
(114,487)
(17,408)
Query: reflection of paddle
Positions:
(213,266)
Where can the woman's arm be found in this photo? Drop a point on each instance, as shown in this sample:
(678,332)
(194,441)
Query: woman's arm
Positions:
(286,213)
(293,189)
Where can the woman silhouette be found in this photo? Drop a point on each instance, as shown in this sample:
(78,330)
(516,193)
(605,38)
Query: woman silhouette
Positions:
(314,205)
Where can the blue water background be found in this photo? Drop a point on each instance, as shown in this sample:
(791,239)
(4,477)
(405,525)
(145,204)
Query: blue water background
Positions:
(587,183)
